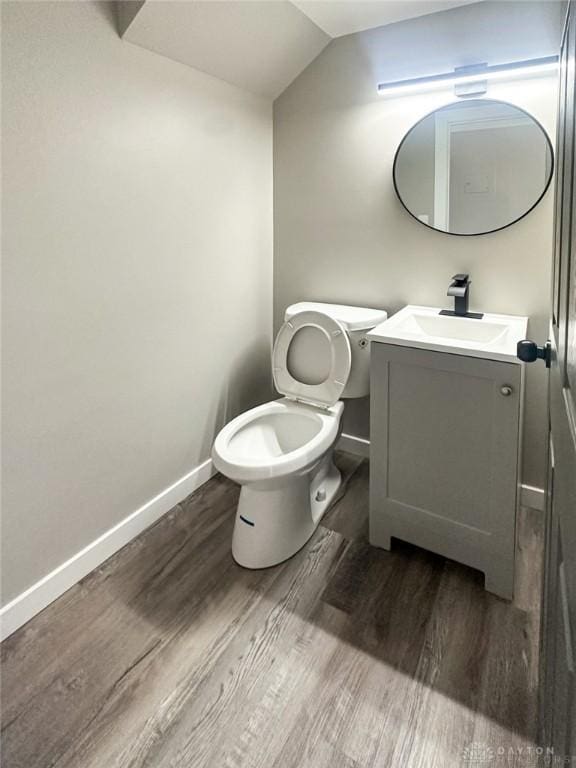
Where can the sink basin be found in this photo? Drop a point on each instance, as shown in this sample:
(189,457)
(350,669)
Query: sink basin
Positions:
(457,328)
(493,337)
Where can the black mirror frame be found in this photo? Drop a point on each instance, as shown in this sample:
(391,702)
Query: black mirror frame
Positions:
(488,231)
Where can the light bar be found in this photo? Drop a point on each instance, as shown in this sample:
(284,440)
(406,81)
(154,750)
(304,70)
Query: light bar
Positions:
(513,69)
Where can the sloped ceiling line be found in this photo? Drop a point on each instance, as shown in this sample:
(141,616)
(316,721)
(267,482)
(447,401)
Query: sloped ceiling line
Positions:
(261,45)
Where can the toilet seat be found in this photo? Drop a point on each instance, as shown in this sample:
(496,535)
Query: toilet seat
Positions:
(330,390)
(267,463)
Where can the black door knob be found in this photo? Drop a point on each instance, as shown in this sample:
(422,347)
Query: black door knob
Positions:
(528,351)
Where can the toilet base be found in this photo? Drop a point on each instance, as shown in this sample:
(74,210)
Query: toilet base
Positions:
(275,519)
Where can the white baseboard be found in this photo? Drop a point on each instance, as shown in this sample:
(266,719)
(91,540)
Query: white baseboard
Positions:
(359,446)
(39,595)
(529,495)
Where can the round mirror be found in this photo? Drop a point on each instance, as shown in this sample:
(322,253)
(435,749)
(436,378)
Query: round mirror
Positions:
(473,167)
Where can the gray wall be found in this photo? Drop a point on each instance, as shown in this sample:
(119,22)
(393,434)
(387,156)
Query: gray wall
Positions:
(137,280)
(340,233)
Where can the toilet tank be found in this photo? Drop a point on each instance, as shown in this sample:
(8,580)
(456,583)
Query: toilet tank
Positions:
(357,321)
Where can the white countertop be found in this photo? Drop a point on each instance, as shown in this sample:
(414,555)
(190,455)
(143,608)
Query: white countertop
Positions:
(494,337)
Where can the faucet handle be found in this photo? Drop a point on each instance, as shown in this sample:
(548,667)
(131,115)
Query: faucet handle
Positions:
(461,278)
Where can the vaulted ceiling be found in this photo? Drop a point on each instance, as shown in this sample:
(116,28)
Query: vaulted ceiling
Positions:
(260,45)
(343,17)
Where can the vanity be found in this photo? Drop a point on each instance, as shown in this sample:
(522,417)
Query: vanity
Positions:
(447,387)
(446,416)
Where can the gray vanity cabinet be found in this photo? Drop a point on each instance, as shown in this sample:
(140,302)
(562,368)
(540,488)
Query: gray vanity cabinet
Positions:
(445,435)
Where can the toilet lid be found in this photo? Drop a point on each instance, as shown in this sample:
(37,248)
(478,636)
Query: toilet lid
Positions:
(328,391)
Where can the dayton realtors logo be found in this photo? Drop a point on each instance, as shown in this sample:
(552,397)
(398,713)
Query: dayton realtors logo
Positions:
(478,754)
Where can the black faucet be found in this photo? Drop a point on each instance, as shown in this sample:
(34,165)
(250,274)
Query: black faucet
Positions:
(460,289)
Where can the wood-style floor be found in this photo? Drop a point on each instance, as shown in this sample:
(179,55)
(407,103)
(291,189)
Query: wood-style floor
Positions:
(171,656)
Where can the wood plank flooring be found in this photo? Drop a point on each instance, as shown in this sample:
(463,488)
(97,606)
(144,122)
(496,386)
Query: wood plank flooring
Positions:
(346,656)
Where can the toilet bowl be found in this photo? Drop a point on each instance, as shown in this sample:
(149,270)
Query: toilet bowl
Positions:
(281,453)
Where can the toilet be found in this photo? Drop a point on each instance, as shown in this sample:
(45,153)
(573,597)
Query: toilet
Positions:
(281,453)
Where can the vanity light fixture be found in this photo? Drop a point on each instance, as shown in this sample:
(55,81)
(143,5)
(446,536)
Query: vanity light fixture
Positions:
(481,73)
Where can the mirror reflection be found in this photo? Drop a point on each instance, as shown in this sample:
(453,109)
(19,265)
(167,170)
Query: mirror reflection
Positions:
(473,167)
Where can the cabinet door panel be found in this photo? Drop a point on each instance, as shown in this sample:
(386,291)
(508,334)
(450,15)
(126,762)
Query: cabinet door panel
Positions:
(441,442)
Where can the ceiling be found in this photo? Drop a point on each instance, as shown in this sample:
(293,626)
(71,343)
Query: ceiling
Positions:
(260,45)
(343,17)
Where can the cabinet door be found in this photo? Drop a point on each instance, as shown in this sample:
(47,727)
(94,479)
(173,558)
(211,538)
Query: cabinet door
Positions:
(444,456)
